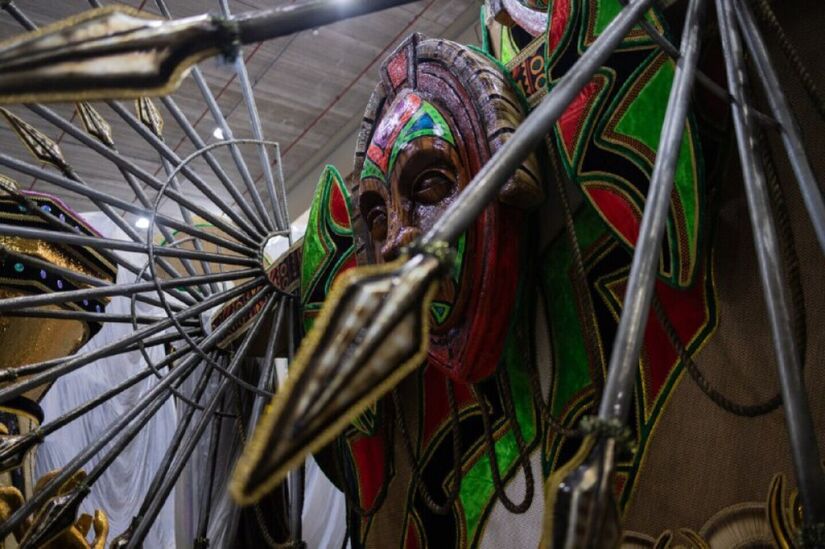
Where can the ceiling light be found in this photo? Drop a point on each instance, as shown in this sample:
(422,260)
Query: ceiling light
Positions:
(142,223)
(217,133)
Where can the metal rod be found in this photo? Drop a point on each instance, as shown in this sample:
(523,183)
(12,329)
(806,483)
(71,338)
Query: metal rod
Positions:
(126,166)
(484,187)
(257,131)
(164,150)
(53,372)
(61,226)
(48,428)
(121,162)
(282,188)
(701,78)
(10,304)
(267,379)
(11,374)
(86,316)
(234,150)
(133,430)
(95,195)
(213,163)
(13,453)
(808,186)
(805,452)
(145,523)
(146,407)
(123,245)
(288,19)
(172,448)
(66,273)
(621,371)
(132,233)
(296,478)
(187,218)
(211,469)
(128,229)
(220,120)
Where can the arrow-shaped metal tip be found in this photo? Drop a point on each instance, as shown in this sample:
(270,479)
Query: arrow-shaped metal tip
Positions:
(105,53)
(580,506)
(41,146)
(372,332)
(55,517)
(121,53)
(95,124)
(13,449)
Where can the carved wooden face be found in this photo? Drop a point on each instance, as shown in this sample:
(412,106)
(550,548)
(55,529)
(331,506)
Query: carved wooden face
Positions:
(439,115)
(413,170)
(412,173)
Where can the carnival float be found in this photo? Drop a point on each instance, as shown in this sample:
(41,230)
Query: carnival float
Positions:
(567,294)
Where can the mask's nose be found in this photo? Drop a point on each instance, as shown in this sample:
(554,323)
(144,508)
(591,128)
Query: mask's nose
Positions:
(397,240)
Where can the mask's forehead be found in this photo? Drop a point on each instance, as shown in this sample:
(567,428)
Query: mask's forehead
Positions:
(410,117)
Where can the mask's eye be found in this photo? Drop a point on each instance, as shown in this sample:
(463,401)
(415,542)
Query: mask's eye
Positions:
(432,186)
(375,215)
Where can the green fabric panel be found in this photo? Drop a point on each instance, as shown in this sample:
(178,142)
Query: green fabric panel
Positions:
(607,10)
(686,185)
(314,252)
(643,121)
(318,248)
(644,115)
(506,45)
(572,373)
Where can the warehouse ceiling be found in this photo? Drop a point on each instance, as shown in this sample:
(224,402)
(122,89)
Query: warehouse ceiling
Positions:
(310,88)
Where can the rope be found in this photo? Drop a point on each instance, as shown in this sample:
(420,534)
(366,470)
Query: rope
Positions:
(259,516)
(354,505)
(452,496)
(768,16)
(523,456)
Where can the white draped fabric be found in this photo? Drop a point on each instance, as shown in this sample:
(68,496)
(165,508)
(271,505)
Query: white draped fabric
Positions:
(120,490)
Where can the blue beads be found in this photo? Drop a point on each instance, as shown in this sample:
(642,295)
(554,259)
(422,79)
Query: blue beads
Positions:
(19,267)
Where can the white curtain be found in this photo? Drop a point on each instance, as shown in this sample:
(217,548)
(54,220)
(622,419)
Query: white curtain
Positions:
(119,492)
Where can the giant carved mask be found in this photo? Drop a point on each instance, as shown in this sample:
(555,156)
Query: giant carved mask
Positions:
(438,115)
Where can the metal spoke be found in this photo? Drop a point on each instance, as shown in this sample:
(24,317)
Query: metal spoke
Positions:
(621,372)
(12,303)
(249,246)
(220,120)
(213,163)
(146,407)
(257,130)
(43,376)
(122,245)
(88,317)
(807,464)
(187,172)
(12,374)
(194,435)
(789,131)
(69,274)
